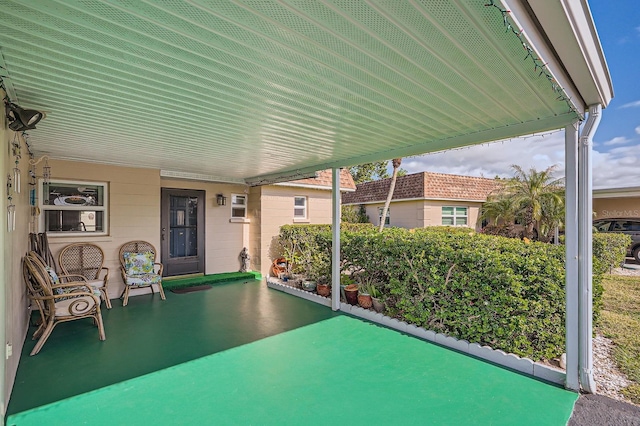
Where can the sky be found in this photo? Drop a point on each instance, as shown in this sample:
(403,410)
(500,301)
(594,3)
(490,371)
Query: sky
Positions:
(616,144)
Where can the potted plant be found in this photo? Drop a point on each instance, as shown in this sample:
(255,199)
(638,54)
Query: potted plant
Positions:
(324,286)
(364,296)
(349,288)
(376,294)
(308,285)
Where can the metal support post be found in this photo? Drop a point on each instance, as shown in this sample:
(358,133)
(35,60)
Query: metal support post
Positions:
(571,252)
(335,246)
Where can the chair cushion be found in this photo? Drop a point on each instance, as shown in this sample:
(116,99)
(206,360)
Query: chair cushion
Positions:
(81,289)
(138,263)
(96,285)
(74,306)
(142,280)
(53,275)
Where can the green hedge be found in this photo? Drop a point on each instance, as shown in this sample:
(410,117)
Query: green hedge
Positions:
(497,291)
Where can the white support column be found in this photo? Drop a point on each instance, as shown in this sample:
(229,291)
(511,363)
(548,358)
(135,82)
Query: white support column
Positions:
(335,246)
(571,253)
(585,250)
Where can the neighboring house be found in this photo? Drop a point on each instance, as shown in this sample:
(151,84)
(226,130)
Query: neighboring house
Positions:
(299,201)
(616,202)
(424,199)
(197,226)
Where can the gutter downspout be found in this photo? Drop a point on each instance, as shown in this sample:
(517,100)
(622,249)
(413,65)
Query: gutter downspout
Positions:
(585,249)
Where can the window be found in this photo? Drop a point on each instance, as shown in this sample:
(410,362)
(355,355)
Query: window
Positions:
(387,220)
(238,206)
(602,226)
(454,216)
(299,207)
(73,207)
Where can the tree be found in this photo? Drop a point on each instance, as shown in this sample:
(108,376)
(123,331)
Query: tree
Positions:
(369,171)
(396,162)
(354,214)
(534,198)
(539,198)
(499,208)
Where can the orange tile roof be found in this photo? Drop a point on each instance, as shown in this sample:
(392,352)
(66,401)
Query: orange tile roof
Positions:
(437,186)
(323,179)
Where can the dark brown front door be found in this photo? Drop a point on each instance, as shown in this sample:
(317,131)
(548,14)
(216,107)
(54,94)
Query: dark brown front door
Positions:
(182,233)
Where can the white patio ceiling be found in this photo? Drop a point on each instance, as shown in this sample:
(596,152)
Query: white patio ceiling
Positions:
(241,90)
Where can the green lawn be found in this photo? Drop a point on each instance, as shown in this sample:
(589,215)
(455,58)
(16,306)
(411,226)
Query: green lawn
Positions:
(620,322)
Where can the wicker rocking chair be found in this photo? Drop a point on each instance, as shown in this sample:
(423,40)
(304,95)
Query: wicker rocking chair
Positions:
(138,267)
(87,260)
(58,302)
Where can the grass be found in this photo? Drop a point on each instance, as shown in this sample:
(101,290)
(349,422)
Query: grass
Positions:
(620,322)
(173,284)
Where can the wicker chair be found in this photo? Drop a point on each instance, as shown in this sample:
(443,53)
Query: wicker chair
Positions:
(138,267)
(87,260)
(58,302)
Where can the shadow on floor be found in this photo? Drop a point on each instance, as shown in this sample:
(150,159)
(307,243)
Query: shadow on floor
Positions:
(150,334)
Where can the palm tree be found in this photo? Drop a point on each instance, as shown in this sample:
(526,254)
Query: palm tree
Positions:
(498,207)
(539,197)
(396,162)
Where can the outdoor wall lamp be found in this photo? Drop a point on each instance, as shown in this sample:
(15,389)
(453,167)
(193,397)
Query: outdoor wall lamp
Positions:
(22,119)
(221,200)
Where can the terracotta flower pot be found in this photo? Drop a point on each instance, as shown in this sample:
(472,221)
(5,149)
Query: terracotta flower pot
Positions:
(351,294)
(365,301)
(323,290)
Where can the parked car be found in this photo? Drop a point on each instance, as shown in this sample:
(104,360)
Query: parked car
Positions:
(629,226)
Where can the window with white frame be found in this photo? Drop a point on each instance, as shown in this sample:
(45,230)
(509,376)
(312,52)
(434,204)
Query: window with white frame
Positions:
(73,207)
(299,207)
(238,206)
(387,219)
(454,216)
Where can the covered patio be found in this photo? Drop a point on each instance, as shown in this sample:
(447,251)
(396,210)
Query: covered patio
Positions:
(222,97)
(241,353)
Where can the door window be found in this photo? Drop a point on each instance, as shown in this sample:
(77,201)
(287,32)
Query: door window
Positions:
(183,226)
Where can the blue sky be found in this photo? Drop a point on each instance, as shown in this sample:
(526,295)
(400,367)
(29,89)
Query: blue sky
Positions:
(616,151)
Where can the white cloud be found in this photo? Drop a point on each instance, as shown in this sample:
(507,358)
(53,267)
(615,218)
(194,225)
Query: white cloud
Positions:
(615,168)
(634,104)
(638,130)
(494,159)
(618,140)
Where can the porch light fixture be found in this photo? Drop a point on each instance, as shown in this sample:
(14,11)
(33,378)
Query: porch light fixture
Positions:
(22,119)
(221,200)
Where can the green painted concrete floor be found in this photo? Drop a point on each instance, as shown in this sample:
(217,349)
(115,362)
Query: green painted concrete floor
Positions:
(243,354)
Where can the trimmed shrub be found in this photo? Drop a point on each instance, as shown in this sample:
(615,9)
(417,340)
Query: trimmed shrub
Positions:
(502,292)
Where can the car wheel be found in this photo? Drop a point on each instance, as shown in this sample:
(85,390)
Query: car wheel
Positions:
(636,254)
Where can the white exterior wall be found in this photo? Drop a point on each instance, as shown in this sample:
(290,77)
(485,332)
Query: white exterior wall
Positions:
(275,208)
